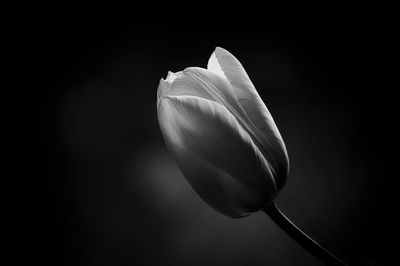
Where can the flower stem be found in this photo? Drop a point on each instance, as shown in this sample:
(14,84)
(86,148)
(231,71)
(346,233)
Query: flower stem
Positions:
(300,237)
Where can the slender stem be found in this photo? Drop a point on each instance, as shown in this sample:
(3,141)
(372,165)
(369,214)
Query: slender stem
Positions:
(300,237)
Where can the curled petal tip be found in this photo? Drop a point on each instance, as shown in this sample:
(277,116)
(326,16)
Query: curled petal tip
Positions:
(214,66)
(171,76)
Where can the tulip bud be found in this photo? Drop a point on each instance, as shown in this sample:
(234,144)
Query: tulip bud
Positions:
(222,135)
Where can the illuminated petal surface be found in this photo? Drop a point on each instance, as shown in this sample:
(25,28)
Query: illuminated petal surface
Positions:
(267,136)
(215,154)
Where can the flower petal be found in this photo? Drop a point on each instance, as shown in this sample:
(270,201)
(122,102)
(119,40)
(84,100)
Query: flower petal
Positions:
(217,87)
(200,82)
(216,154)
(178,84)
(262,122)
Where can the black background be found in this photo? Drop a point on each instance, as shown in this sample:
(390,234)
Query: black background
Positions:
(114,196)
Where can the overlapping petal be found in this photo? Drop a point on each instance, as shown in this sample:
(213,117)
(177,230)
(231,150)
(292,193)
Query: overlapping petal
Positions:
(216,154)
(200,82)
(260,120)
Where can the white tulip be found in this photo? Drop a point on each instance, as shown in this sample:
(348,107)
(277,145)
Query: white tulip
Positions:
(222,135)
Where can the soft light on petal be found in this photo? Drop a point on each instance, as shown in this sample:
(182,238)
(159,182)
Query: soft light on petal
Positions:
(214,66)
(216,155)
(267,134)
(200,82)
(180,84)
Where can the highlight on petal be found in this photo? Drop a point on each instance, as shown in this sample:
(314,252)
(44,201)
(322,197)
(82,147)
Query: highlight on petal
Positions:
(180,84)
(214,66)
(216,155)
(269,138)
(217,87)
(200,82)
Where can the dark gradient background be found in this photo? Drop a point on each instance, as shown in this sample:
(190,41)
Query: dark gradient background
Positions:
(114,196)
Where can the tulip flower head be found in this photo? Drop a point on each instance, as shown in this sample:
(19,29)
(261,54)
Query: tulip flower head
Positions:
(222,135)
